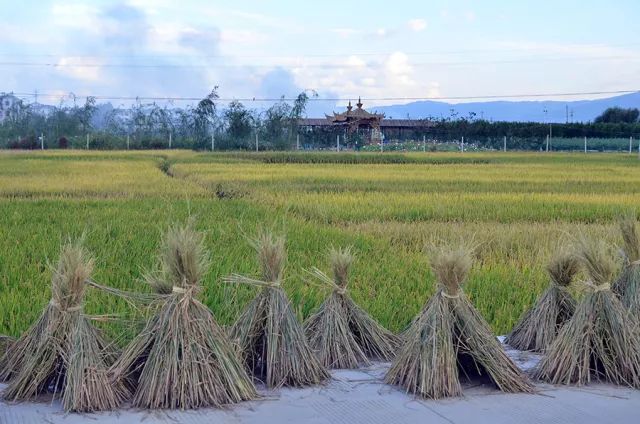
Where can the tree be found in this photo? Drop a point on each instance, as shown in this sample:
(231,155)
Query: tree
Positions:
(276,124)
(239,122)
(617,115)
(297,111)
(204,116)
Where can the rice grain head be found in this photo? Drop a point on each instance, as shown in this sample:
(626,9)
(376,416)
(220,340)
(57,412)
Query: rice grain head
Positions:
(341,260)
(272,255)
(451,266)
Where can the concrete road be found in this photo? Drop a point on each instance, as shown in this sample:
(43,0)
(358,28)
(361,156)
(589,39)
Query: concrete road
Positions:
(359,396)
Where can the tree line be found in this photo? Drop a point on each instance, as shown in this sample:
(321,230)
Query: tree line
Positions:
(235,127)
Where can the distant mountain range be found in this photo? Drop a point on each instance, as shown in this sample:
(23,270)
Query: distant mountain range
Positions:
(529,111)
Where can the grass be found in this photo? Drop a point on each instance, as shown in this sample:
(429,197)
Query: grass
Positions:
(517,206)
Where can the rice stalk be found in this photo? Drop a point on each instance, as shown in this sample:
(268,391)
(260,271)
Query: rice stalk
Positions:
(539,326)
(627,285)
(62,352)
(449,341)
(182,358)
(269,336)
(341,333)
(601,341)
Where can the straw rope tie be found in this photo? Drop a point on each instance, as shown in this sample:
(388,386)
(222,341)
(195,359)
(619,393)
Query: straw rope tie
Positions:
(59,307)
(176,289)
(602,287)
(451,296)
(635,262)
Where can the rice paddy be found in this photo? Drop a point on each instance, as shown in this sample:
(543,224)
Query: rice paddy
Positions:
(515,206)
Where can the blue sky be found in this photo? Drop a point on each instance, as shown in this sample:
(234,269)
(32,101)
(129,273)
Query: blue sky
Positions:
(340,49)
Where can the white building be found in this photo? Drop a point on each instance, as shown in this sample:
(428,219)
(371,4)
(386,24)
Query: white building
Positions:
(7,104)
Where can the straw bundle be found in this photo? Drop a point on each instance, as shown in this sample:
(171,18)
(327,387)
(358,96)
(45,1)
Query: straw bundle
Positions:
(62,352)
(342,334)
(601,341)
(539,326)
(627,286)
(270,337)
(450,340)
(182,358)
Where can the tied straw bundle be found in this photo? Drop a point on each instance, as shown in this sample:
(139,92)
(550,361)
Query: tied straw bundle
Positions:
(182,358)
(449,339)
(601,341)
(539,326)
(627,285)
(342,334)
(270,337)
(63,353)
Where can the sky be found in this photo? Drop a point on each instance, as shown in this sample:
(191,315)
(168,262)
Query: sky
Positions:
(387,52)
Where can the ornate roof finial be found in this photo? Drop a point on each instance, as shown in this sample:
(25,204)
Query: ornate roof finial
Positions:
(359,104)
(349,107)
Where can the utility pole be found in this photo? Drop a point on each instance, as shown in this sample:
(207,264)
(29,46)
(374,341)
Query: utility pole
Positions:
(630,143)
(504,143)
(424,143)
(566,110)
(41,141)
(462,145)
(87,141)
(213,142)
(127,141)
(547,142)
(256,141)
(585,144)
(338,143)
(297,141)
(169,141)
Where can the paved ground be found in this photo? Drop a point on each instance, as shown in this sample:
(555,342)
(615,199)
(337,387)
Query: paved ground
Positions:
(361,397)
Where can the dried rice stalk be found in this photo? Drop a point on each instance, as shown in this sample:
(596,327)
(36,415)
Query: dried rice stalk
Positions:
(62,352)
(450,340)
(182,358)
(601,341)
(627,285)
(270,337)
(343,334)
(539,326)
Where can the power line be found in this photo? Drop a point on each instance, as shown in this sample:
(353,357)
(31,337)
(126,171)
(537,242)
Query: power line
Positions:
(308,65)
(311,55)
(336,99)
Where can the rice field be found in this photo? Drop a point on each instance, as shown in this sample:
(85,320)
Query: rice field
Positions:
(516,207)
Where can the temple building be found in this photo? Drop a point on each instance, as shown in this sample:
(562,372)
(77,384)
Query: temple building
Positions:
(372,127)
(359,120)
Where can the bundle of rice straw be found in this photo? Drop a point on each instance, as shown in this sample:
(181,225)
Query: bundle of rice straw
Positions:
(182,358)
(63,352)
(342,334)
(627,286)
(268,333)
(601,341)
(450,340)
(539,326)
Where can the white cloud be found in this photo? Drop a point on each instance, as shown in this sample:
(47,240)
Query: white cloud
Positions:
(417,25)
(398,64)
(355,62)
(86,69)
(344,32)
